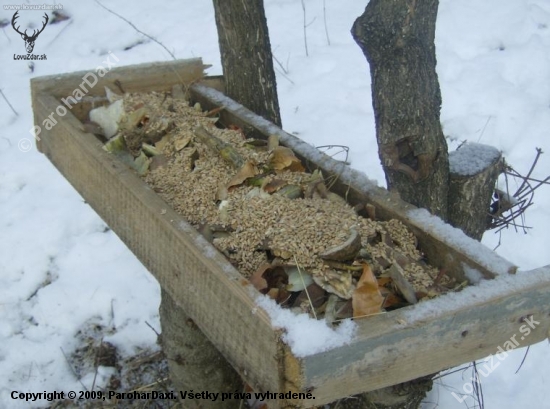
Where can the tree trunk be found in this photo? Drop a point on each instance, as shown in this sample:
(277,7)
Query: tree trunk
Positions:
(194,363)
(397,37)
(246,56)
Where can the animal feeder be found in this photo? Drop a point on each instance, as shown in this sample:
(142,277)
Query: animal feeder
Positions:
(385,349)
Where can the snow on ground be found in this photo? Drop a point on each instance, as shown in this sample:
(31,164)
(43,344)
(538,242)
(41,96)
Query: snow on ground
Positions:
(60,268)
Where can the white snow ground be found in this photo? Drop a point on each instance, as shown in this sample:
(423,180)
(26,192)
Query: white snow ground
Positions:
(494,69)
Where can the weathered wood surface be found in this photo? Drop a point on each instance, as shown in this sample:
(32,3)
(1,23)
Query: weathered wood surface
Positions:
(387,349)
(196,276)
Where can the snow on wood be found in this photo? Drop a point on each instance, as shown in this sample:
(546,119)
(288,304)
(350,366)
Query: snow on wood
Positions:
(472,158)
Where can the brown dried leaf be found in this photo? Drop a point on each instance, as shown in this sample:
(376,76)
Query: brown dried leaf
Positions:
(272,142)
(345,251)
(268,277)
(283,158)
(366,299)
(274,185)
(335,282)
(257,279)
(248,170)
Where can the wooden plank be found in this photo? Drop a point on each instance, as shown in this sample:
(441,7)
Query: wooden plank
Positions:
(420,340)
(195,274)
(357,189)
(157,76)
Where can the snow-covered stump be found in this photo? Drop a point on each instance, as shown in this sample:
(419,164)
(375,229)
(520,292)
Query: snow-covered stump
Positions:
(474,170)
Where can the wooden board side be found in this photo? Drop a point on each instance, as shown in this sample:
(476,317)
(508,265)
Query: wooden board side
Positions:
(157,76)
(196,275)
(402,345)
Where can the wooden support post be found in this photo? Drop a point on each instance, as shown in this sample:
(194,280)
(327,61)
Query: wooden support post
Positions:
(194,363)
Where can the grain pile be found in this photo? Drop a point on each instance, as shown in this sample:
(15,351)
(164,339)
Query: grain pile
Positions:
(251,224)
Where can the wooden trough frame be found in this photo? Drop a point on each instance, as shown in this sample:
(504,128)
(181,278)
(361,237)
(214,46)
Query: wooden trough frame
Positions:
(387,349)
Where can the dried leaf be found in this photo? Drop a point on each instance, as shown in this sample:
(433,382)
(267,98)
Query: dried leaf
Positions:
(271,280)
(141,164)
(291,192)
(150,150)
(257,279)
(335,282)
(221,193)
(135,119)
(345,251)
(165,140)
(116,145)
(272,142)
(316,294)
(214,111)
(181,143)
(237,129)
(366,299)
(283,158)
(274,185)
(248,170)
(256,143)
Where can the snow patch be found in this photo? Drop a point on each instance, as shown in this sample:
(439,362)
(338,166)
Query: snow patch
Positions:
(472,158)
(457,239)
(473,275)
(304,335)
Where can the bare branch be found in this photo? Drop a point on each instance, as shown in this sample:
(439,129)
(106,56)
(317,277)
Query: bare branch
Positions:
(137,29)
(325,21)
(305,28)
(8,102)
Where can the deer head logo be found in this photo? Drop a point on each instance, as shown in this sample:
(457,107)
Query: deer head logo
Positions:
(29,40)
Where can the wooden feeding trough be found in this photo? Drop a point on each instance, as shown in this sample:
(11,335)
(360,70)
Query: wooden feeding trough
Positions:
(386,349)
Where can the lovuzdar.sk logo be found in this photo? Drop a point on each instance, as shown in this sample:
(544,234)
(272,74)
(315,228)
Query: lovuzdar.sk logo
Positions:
(29,39)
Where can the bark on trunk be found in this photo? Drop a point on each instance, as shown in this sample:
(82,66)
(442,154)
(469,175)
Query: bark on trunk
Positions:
(397,38)
(246,56)
(194,363)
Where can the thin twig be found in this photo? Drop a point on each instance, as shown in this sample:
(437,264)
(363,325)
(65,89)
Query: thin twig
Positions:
(305,28)
(72,369)
(280,65)
(96,362)
(8,102)
(305,288)
(539,152)
(325,20)
(485,127)
(478,390)
(154,330)
(284,76)
(137,29)
(523,360)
